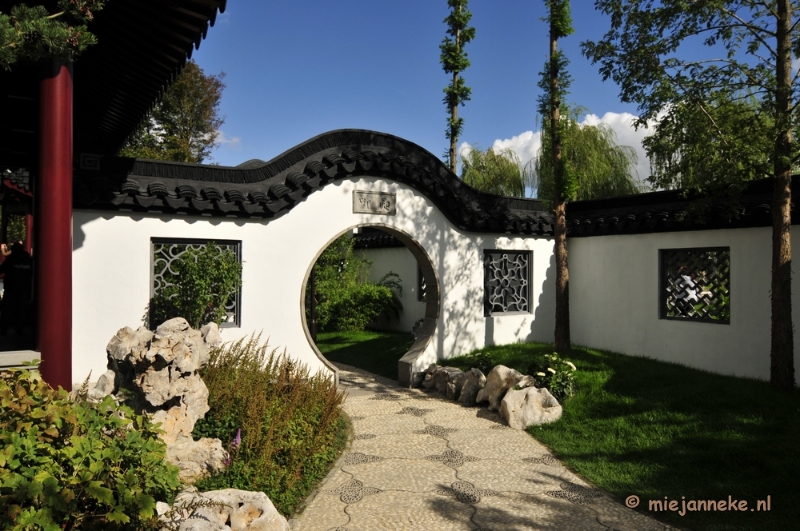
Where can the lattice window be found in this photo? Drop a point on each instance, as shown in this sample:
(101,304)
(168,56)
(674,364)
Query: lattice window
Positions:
(506,282)
(167,250)
(695,284)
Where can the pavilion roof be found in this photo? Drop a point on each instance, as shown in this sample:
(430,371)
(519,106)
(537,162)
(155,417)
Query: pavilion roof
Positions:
(142,46)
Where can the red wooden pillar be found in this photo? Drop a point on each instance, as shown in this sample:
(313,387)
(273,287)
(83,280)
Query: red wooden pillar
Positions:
(53,247)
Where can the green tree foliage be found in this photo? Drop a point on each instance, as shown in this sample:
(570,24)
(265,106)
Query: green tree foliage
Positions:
(31,33)
(454,61)
(68,464)
(598,166)
(494,172)
(205,280)
(554,82)
(712,145)
(347,301)
(184,125)
(690,57)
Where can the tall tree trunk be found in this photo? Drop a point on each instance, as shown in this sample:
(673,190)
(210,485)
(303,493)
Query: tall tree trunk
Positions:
(453,128)
(562,337)
(782,347)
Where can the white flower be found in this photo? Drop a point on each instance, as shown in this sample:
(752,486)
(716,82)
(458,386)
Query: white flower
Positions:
(570,364)
(551,370)
(540,374)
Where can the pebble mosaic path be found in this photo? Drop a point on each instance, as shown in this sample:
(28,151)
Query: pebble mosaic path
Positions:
(419,462)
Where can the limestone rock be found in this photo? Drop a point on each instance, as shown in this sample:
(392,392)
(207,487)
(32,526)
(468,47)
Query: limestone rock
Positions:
(427,380)
(196,459)
(474,383)
(161,371)
(499,380)
(442,376)
(455,383)
(525,407)
(526,381)
(105,386)
(211,335)
(242,510)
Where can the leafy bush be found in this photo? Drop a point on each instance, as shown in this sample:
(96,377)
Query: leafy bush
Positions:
(346,301)
(205,280)
(284,429)
(76,465)
(554,374)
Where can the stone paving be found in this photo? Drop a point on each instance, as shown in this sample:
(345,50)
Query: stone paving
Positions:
(419,462)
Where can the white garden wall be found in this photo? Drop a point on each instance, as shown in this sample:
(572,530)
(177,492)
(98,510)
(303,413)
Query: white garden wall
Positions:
(398,260)
(614,300)
(112,269)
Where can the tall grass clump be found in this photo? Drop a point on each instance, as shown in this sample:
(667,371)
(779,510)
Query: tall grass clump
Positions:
(283,428)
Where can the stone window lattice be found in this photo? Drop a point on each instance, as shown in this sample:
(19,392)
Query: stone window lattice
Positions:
(506,281)
(166,250)
(695,284)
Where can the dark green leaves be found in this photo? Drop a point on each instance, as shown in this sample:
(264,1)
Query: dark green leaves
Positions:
(31,33)
(76,465)
(184,125)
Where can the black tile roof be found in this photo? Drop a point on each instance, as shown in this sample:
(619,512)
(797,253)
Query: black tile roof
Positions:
(269,189)
(670,211)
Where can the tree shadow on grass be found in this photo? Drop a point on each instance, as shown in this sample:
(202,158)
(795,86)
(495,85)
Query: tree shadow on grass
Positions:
(664,429)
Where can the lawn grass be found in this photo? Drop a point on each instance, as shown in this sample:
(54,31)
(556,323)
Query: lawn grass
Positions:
(652,429)
(376,352)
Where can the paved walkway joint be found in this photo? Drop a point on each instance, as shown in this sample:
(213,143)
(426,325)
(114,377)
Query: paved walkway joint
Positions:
(419,462)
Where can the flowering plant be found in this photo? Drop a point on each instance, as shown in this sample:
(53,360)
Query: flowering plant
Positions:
(554,374)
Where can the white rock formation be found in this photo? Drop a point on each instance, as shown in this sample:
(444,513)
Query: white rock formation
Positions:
(234,510)
(499,380)
(525,407)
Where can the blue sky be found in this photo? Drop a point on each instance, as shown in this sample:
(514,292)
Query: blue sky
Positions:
(301,68)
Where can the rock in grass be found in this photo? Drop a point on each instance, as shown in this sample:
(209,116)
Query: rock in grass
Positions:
(499,380)
(526,407)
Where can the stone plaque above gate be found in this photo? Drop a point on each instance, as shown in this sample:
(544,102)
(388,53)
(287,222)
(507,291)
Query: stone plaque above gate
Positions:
(374,203)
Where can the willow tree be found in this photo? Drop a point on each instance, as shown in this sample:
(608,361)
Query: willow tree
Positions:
(678,53)
(454,60)
(494,172)
(599,166)
(554,82)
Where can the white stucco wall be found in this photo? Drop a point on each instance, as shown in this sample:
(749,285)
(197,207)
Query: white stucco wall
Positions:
(111,272)
(614,300)
(398,260)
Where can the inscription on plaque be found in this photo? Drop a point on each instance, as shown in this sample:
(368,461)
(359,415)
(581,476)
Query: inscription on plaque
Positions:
(374,203)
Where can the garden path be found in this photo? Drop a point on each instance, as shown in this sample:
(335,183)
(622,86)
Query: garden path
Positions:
(419,462)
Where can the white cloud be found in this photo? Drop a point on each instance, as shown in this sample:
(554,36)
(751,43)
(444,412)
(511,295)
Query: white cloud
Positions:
(527,144)
(233,143)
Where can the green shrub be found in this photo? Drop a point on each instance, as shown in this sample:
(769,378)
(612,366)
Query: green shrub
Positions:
(346,300)
(76,465)
(292,426)
(554,374)
(205,280)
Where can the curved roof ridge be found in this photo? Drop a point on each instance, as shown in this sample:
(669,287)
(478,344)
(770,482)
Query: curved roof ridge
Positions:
(272,188)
